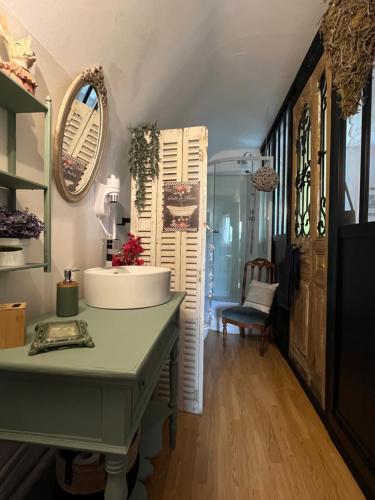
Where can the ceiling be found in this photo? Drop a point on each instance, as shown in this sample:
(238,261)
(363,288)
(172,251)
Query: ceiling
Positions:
(227,64)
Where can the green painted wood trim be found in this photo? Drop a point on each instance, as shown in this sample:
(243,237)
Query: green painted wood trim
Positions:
(152,383)
(47,180)
(11,150)
(102,416)
(123,340)
(64,442)
(15,98)
(173,391)
(116,487)
(15,182)
(20,268)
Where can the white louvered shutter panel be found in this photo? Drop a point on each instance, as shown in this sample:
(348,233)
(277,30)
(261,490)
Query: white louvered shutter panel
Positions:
(143,223)
(193,246)
(170,170)
(183,157)
(168,243)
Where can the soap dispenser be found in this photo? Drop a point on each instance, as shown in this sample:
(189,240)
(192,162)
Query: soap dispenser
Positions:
(67,295)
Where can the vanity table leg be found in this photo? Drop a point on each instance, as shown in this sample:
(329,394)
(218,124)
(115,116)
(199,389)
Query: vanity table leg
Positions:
(116,486)
(173,394)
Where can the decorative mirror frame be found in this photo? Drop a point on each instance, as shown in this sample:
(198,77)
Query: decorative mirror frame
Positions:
(93,76)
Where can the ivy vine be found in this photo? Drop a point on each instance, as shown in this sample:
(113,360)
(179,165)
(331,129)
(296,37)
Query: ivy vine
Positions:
(143,158)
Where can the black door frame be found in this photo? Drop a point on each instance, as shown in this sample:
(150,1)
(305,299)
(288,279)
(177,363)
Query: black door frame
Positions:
(352,450)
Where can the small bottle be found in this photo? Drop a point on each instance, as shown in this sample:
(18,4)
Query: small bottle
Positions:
(67,295)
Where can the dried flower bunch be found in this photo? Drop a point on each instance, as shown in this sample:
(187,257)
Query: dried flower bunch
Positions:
(143,158)
(129,255)
(19,224)
(348,29)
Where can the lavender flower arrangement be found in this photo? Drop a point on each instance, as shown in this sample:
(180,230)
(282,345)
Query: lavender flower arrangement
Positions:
(19,224)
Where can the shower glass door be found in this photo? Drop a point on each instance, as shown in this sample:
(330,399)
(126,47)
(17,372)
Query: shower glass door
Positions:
(231,223)
(238,230)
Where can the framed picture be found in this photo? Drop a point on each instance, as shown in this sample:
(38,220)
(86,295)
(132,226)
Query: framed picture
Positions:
(57,335)
(181,206)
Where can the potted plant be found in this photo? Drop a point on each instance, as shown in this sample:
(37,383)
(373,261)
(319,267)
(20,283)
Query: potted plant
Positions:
(17,227)
(143,159)
(130,253)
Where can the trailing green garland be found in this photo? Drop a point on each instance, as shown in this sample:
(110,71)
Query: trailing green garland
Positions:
(143,158)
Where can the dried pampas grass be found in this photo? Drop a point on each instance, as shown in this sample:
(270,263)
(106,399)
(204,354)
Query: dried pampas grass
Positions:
(348,30)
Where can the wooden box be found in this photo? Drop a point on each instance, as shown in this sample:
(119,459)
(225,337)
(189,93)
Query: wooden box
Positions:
(12,325)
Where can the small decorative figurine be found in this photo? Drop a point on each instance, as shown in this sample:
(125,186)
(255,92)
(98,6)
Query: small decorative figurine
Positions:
(21,58)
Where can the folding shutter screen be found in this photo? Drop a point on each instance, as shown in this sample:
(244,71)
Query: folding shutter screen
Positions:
(183,157)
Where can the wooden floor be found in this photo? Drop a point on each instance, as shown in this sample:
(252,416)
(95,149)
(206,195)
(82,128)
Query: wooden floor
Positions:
(259,436)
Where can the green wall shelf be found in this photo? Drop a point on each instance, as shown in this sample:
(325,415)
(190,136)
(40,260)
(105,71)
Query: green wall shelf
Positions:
(16,182)
(19,268)
(15,99)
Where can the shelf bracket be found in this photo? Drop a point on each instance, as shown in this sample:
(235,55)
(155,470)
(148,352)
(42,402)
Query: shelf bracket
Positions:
(11,129)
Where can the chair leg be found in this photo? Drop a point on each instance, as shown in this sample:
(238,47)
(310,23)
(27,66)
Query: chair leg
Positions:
(270,333)
(242,332)
(262,338)
(225,333)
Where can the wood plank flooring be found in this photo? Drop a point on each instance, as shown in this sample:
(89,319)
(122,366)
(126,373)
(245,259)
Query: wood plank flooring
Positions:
(259,436)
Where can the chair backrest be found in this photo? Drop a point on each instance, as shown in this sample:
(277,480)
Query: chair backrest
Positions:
(258,269)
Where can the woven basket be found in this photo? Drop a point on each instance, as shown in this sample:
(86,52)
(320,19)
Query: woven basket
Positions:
(78,478)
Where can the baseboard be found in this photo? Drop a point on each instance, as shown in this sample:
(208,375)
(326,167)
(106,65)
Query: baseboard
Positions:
(352,466)
(312,398)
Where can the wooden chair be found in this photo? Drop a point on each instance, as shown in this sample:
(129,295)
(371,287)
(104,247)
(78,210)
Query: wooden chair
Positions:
(248,317)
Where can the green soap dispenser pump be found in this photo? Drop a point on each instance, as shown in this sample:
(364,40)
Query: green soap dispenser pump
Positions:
(67,295)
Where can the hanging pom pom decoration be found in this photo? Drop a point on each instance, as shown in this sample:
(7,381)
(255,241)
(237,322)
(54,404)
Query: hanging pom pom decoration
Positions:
(265,179)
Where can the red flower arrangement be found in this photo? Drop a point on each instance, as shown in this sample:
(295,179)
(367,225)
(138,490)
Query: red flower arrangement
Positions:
(129,255)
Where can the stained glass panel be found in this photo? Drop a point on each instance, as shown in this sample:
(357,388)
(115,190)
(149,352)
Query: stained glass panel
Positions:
(322,156)
(302,182)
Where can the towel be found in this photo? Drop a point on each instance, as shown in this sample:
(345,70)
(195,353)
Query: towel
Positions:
(289,276)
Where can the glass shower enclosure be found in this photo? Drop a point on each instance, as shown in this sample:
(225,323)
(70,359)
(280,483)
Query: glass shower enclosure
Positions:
(238,230)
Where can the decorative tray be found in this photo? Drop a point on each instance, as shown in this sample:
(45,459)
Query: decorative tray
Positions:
(60,335)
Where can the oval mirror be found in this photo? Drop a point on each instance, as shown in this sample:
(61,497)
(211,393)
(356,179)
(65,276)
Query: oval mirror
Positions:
(80,134)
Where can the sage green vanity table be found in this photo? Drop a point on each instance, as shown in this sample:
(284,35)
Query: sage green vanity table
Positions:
(93,399)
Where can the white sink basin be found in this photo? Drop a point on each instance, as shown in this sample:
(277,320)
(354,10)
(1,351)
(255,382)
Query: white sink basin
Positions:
(127,287)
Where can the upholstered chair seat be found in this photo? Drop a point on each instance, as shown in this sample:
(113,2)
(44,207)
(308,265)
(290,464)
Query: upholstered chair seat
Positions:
(247,315)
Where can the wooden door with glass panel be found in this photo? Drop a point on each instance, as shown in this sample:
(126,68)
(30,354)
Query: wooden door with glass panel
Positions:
(311,125)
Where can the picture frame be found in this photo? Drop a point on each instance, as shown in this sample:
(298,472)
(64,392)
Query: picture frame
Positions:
(60,335)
